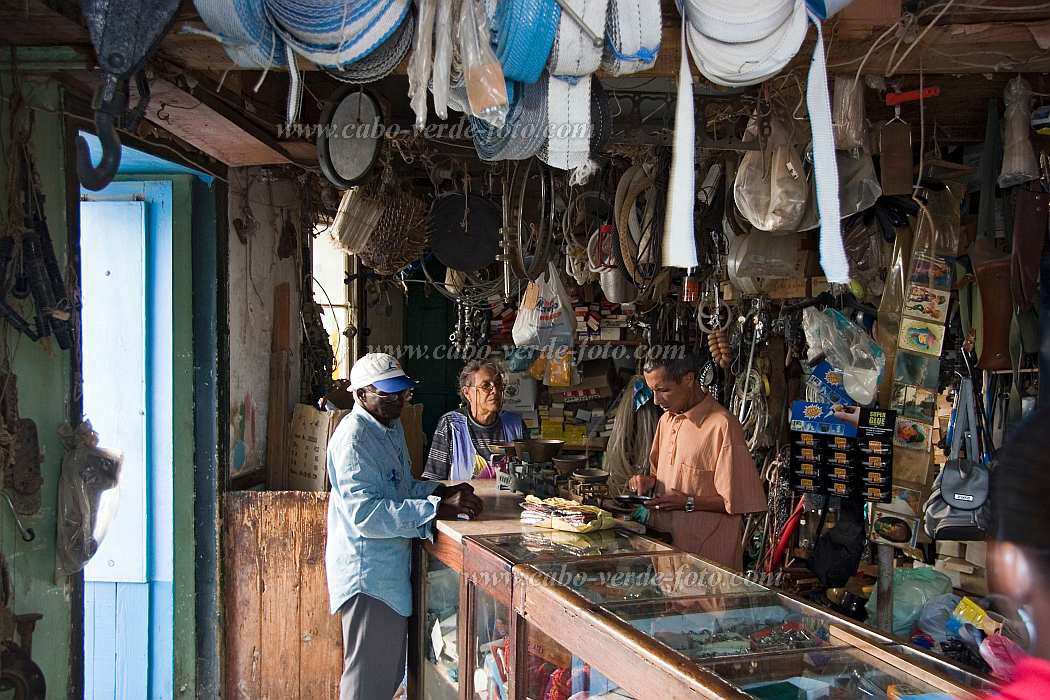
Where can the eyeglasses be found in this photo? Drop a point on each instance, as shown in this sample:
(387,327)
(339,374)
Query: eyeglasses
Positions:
(489,387)
(390,396)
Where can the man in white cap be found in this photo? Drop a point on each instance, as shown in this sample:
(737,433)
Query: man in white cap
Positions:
(375,510)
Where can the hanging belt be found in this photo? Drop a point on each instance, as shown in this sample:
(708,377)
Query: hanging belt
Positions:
(523,34)
(574,51)
(633,29)
(679,241)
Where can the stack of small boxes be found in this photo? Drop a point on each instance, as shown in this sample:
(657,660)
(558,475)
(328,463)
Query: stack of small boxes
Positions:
(842,450)
(502,322)
(964,563)
(821,449)
(600,320)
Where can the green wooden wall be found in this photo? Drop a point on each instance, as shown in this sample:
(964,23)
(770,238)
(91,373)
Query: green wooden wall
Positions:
(44,396)
(429,320)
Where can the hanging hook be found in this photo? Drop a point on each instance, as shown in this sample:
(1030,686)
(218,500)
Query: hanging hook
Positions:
(96,177)
(27,533)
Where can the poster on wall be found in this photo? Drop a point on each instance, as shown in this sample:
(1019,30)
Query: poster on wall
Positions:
(897,522)
(926,303)
(921,336)
(913,435)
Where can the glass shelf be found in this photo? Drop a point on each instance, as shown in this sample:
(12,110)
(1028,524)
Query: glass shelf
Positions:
(726,625)
(527,547)
(441,663)
(830,673)
(643,577)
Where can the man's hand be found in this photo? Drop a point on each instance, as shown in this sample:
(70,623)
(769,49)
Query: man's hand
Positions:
(444,490)
(641,484)
(459,501)
(672,500)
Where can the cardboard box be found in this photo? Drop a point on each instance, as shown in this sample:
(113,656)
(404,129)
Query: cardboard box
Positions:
(947,548)
(960,565)
(308,447)
(977,554)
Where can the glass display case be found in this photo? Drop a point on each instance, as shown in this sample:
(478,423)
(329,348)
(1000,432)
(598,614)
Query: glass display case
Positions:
(841,672)
(658,576)
(439,607)
(545,615)
(680,624)
(488,564)
(732,624)
(552,671)
(541,545)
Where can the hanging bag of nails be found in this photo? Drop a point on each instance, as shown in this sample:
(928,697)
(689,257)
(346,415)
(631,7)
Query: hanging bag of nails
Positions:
(1019,163)
(771,188)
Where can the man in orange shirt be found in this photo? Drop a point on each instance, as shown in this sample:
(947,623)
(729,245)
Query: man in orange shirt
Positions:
(701,472)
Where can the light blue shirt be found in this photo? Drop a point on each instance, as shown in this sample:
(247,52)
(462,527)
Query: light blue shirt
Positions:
(375,510)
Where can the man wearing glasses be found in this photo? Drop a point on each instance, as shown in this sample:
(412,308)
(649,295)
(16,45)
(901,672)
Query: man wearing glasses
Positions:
(375,510)
(462,440)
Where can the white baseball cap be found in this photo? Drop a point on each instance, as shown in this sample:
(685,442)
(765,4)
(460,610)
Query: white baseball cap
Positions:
(381,371)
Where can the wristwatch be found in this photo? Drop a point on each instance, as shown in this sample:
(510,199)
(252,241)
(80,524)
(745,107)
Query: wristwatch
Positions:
(689,505)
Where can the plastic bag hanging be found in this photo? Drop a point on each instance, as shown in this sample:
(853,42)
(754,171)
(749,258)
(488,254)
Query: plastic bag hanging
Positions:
(419,64)
(848,122)
(771,189)
(442,65)
(1019,163)
(87,496)
(483,74)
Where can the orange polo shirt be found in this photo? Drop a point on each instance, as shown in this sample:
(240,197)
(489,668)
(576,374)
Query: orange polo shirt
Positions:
(702,453)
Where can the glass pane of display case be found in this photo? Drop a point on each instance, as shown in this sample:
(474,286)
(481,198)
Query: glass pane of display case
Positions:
(959,675)
(555,672)
(441,665)
(645,577)
(541,545)
(829,673)
(491,647)
(726,625)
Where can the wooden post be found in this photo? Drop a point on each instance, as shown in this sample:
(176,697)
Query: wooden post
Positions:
(277,417)
(884,603)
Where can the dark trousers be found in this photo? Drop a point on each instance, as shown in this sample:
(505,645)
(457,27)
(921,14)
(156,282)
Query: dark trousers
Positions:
(374,642)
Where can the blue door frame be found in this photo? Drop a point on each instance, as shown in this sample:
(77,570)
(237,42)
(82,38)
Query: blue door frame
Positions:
(129,616)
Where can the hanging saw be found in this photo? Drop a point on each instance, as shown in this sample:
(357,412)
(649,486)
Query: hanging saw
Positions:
(125,33)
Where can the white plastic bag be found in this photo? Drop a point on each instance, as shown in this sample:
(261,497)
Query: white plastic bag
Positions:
(847,346)
(771,189)
(419,64)
(442,57)
(87,496)
(1019,163)
(482,72)
(545,316)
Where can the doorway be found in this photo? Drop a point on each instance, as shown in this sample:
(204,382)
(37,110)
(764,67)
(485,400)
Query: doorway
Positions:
(127,363)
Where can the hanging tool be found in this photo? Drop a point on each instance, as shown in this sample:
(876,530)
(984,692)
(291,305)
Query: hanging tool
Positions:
(36,273)
(27,533)
(124,33)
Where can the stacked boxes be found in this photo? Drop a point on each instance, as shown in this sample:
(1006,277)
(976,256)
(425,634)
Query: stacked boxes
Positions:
(841,450)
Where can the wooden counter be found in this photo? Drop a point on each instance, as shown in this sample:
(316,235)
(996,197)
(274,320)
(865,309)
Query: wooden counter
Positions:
(501,515)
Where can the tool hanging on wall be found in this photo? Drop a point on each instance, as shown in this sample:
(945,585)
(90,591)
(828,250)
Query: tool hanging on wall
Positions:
(28,266)
(125,33)
(895,143)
